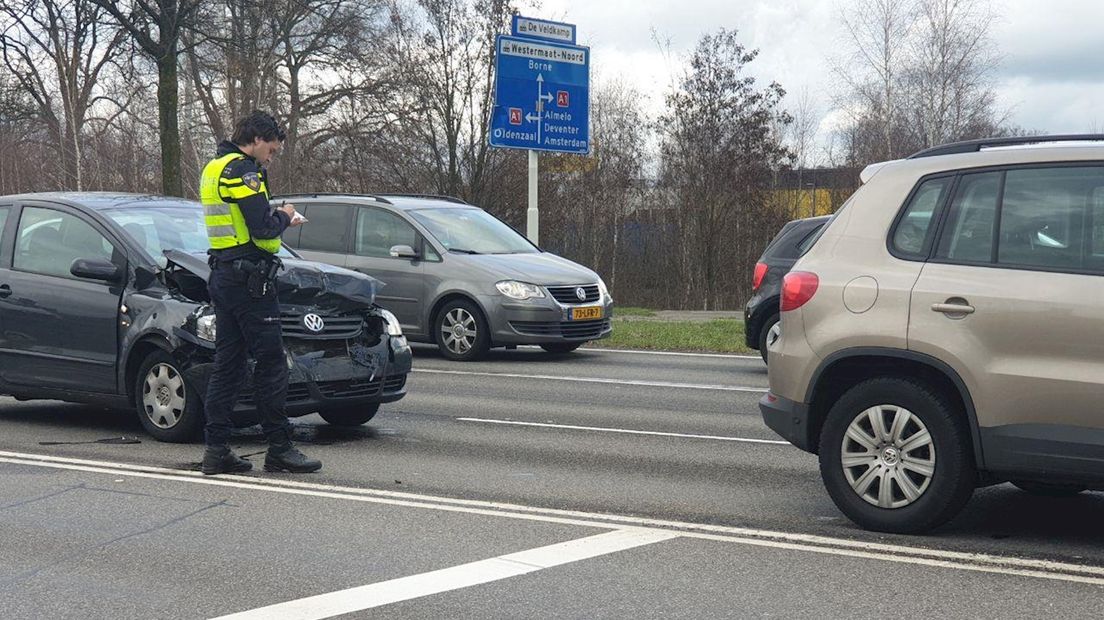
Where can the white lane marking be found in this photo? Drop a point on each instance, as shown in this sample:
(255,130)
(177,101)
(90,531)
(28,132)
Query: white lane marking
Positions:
(1044,569)
(687,386)
(676,353)
(454,578)
(624,430)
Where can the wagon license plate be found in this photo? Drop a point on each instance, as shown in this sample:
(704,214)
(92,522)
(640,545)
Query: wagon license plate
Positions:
(586,314)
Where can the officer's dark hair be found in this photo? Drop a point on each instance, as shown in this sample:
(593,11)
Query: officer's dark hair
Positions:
(257,125)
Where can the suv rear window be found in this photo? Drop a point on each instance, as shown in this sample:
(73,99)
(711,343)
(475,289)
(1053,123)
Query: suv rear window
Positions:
(913,229)
(809,240)
(790,241)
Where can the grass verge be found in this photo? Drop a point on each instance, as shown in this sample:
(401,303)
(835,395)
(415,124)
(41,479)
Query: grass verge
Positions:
(631,311)
(717,336)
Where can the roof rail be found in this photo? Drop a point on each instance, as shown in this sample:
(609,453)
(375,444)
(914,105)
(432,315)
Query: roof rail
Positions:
(307,194)
(973,146)
(434,196)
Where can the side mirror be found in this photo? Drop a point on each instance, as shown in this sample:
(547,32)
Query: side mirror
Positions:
(404,251)
(96,269)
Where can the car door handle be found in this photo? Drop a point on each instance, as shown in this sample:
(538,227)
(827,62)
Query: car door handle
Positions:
(5,290)
(953,308)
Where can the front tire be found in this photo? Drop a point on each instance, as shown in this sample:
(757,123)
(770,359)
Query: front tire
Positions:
(169,409)
(350,416)
(895,456)
(461,331)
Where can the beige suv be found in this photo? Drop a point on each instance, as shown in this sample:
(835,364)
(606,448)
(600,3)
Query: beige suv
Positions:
(947,332)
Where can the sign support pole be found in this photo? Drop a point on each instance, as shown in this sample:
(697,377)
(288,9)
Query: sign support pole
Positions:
(532,226)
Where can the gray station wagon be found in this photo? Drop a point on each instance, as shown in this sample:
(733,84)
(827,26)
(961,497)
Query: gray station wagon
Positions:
(455,275)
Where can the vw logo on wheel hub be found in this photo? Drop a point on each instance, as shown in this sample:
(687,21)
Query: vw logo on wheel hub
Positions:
(580,293)
(890,456)
(313,323)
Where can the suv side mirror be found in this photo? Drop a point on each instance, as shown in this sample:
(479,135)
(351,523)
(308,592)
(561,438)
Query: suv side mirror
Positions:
(404,251)
(96,269)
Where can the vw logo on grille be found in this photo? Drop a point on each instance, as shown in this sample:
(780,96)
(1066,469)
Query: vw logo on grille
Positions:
(313,322)
(580,293)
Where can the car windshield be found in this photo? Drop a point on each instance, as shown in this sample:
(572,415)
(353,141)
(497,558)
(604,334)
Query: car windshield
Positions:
(472,231)
(157,228)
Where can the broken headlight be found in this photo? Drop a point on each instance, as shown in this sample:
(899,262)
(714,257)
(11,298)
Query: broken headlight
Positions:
(391,323)
(205,327)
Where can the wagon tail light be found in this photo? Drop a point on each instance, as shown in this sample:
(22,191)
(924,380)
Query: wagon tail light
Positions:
(798,287)
(760,272)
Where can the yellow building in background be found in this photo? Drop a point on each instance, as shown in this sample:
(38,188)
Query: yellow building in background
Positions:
(811,192)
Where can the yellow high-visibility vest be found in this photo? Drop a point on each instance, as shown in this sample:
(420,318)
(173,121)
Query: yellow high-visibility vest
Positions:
(219,192)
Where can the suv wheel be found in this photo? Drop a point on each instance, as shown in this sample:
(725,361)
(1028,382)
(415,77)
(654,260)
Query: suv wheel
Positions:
(895,456)
(168,407)
(350,416)
(461,331)
(1046,489)
(772,329)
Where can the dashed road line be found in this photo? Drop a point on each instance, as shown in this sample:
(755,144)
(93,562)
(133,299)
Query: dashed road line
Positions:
(603,429)
(664,384)
(675,353)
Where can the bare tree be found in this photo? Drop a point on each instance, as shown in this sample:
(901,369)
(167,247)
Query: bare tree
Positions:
(950,80)
(877,33)
(719,149)
(449,57)
(920,74)
(587,199)
(157,26)
(57,51)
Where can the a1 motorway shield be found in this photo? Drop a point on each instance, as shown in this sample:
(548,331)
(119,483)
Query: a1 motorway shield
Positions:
(542,96)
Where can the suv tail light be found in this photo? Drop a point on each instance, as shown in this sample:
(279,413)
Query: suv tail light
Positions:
(760,271)
(798,287)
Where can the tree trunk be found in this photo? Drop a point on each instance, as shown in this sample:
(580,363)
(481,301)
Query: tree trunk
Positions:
(167,103)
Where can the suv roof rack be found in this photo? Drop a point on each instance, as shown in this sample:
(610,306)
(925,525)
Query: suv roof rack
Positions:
(434,196)
(973,146)
(304,194)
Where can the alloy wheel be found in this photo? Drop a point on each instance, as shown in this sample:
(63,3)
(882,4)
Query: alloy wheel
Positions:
(459,331)
(163,396)
(888,456)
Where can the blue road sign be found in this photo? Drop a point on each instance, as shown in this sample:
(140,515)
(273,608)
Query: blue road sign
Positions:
(542,96)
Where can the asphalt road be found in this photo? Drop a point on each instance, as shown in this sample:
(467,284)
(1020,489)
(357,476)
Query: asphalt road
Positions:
(469,499)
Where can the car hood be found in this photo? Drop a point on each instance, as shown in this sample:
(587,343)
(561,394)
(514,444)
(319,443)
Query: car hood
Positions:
(545,269)
(302,283)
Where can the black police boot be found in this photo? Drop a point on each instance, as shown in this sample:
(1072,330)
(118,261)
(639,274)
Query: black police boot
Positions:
(283,456)
(220,460)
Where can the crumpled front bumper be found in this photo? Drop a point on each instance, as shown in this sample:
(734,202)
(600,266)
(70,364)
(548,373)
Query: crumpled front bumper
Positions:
(323,374)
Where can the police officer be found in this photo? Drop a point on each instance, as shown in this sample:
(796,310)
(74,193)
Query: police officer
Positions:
(244,231)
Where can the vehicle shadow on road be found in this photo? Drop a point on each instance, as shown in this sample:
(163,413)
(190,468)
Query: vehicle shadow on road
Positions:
(63,421)
(66,423)
(1005,512)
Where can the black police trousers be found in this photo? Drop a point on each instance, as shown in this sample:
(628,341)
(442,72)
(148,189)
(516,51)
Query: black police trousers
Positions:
(245,327)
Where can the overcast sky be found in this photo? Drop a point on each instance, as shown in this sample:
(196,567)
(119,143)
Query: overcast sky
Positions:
(1051,76)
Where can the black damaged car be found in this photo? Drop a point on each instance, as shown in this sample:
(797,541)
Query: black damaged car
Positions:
(103,300)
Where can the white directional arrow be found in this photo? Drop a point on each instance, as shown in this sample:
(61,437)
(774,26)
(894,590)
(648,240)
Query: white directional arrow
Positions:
(540,105)
(532,118)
